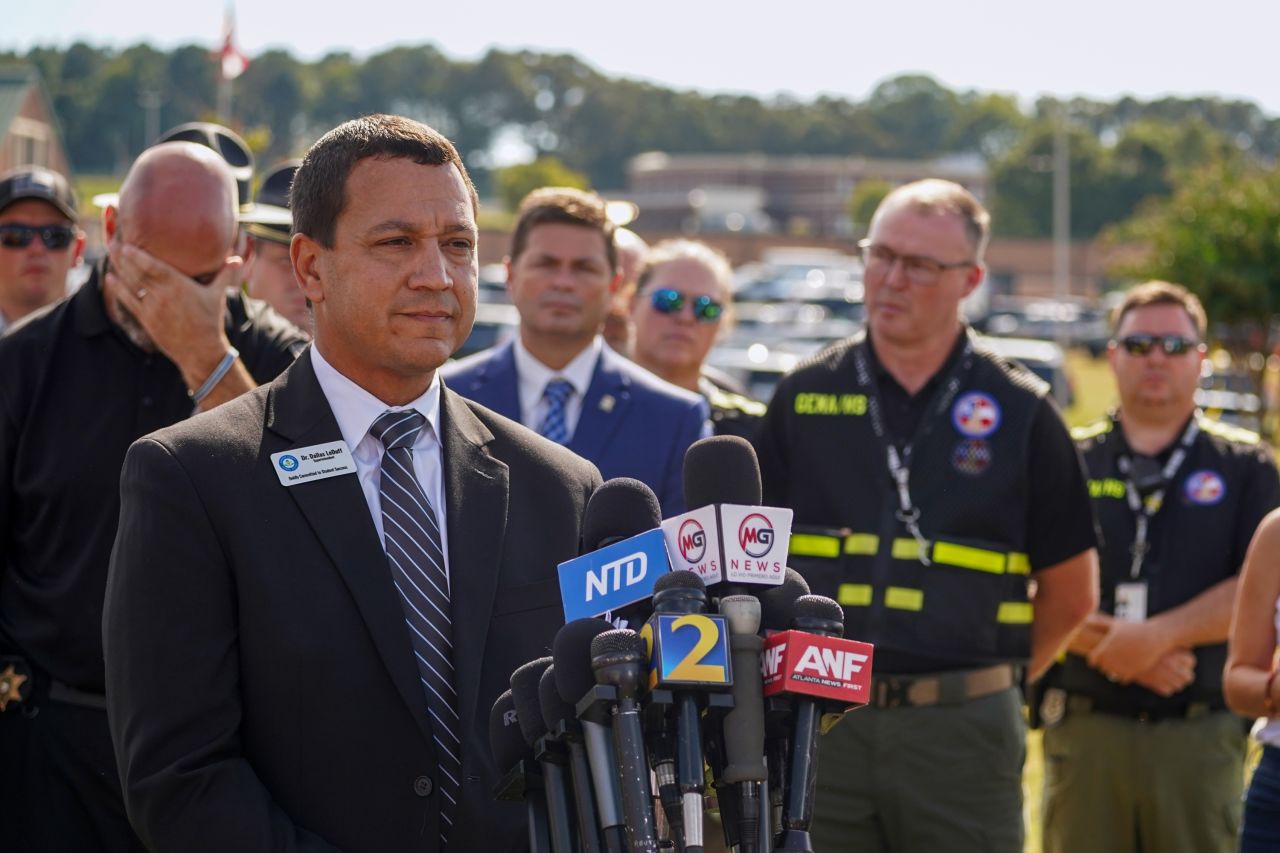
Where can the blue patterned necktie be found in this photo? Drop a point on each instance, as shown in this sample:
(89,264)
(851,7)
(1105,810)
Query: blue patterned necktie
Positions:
(411,537)
(557,394)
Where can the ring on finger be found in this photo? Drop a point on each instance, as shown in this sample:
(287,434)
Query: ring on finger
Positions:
(142,293)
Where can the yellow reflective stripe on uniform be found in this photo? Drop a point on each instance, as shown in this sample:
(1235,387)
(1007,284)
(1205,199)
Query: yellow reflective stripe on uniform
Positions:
(854,594)
(865,544)
(814,545)
(902,598)
(1015,613)
(967,557)
(906,549)
(1019,564)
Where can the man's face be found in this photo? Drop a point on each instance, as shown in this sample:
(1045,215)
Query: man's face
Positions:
(35,275)
(561,282)
(270,278)
(1157,381)
(677,341)
(904,312)
(396,294)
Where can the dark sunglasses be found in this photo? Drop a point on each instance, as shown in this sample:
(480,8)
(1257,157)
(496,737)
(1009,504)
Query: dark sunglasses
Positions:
(668,301)
(16,236)
(1143,344)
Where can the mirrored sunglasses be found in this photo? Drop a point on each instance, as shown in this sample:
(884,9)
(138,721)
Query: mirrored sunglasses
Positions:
(14,235)
(668,301)
(1170,344)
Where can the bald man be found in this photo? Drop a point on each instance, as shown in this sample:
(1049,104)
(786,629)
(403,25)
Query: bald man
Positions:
(150,339)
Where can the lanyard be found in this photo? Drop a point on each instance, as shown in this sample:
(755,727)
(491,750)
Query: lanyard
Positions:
(899,463)
(1144,510)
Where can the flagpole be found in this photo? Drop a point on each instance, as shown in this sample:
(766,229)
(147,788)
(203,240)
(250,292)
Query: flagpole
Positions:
(224,100)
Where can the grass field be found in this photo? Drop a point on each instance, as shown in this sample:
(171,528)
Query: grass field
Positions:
(1094,393)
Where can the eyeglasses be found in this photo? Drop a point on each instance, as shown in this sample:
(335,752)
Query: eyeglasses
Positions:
(917,269)
(14,235)
(1170,344)
(668,301)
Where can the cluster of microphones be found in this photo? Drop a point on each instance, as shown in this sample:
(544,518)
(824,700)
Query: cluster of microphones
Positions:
(692,661)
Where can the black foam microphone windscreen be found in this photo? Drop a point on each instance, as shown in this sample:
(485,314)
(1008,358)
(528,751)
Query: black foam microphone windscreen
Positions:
(619,509)
(506,741)
(571,652)
(778,603)
(524,689)
(722,469)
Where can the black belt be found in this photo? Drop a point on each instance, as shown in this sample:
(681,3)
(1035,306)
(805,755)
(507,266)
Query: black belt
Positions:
(942,688)
(23,686)
(1078,704)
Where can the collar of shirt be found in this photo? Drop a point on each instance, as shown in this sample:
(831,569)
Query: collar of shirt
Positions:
(355,410)
(534,376)
(902,412)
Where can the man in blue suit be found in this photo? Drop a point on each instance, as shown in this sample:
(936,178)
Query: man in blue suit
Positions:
(558,377)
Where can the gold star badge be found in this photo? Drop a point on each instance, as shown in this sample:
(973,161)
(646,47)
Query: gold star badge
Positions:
(10,687)
(606,403)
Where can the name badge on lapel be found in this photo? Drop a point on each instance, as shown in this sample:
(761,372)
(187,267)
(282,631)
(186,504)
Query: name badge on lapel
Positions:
(317,462)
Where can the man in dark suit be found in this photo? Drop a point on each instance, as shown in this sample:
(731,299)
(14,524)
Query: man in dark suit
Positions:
(318,590)
(558,377)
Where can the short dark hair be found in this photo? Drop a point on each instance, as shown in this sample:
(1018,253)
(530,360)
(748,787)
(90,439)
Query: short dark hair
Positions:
(1160,293)
(318,194)
(564,206)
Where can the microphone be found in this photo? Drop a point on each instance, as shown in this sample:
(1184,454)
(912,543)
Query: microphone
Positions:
(689,653)
(522,780)
(811,661)
(727,536)
(574,678)
(744,725)
(562,724)
(777,606)
(524,690)
(617,658)
(626,552)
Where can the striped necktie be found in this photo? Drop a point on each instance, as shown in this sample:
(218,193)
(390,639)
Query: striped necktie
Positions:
(411,537)
(557,395)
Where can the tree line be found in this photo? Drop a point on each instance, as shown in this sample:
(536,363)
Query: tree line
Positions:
(1127,156)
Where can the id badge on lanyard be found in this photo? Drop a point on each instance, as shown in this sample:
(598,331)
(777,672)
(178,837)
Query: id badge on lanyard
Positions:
(1131,594)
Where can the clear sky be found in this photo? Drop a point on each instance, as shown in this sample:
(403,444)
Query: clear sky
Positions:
(1091,47)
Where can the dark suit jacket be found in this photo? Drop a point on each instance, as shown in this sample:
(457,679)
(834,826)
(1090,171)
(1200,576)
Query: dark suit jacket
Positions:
(261,685)
(633,424)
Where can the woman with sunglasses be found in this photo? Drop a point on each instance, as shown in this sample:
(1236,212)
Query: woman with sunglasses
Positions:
(682,304)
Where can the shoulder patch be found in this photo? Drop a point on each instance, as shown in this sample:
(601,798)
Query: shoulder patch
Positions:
(722,399)
(1229,432)
(1093,430)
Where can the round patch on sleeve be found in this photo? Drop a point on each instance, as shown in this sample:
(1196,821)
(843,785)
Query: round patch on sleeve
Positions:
(976,414)
(1205,488)
(971,456)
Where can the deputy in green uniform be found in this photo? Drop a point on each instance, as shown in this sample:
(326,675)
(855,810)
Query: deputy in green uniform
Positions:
(932,482)
(1140,751)
(683,304)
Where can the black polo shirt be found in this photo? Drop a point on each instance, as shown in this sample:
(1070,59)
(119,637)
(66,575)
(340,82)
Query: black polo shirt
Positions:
(74,394)
(1060,524)
(1197,539)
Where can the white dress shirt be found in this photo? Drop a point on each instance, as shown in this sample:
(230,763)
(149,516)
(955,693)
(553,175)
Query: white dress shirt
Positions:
(533,377)
(356,409)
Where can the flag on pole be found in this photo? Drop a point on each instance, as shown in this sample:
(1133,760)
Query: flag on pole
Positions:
(233,61)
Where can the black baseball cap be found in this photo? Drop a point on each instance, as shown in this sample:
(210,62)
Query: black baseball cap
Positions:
(39,183)
(269,217)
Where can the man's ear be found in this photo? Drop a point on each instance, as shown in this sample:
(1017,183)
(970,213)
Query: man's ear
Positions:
(306,255)
(110,223)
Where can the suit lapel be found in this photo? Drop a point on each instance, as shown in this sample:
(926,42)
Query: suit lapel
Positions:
(476,492)
(337,512)
(496,384)
(603,409)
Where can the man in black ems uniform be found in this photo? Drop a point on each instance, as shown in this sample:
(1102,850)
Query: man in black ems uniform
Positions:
(150,338)
(1140,751)
(931,482)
